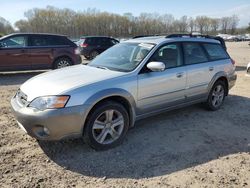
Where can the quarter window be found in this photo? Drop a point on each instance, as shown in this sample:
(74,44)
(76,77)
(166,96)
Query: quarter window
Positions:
(169,54)
(215,51)
(193,53)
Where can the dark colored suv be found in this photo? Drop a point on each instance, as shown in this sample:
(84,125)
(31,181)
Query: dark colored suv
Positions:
(91,46)
(37,51)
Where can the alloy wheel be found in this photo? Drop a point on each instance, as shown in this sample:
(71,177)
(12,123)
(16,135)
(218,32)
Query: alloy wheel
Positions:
(218,95)
(63,63)
(108,126)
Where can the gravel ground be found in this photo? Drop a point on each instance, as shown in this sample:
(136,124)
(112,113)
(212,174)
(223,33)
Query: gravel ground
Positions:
(190,147)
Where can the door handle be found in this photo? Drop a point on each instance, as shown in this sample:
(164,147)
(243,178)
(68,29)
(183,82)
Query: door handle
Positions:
(179,75)
(211,68)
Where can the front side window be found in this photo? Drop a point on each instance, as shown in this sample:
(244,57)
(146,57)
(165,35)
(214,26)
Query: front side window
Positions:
(123,57)
(215,51)
(193,53)
(169,54)
(14,42)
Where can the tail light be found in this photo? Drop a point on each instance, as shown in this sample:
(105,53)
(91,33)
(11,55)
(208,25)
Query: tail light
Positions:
(84,45)
(77,51)
(233,62)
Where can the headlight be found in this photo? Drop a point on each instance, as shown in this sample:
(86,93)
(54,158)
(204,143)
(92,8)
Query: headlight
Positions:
(49,102)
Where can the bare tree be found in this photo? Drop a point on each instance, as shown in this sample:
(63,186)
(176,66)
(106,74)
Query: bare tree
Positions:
(94,22)
(201,22)
(215,24)
(234,21)
(5,26)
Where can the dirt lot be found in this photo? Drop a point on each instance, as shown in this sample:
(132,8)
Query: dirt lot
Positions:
(190,147)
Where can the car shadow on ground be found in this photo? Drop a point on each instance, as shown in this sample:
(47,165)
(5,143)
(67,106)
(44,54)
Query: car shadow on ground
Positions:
(162,144)
(17,78)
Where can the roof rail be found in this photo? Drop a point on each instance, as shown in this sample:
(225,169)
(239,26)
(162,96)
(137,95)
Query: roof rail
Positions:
(220,39)
(141,36)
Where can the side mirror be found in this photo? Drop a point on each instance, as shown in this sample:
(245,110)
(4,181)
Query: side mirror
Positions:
(156,66)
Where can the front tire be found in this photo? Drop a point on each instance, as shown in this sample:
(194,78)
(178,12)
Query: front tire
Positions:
(216,96)
(106,126)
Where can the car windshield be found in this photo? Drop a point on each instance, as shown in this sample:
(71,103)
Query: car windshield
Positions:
(122,57)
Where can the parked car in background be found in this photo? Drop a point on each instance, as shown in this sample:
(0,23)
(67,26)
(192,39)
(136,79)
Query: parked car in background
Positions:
(91,46)
(130,81)
(25,51)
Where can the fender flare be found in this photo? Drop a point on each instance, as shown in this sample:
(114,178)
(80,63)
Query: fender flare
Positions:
(112,92)
(215,78)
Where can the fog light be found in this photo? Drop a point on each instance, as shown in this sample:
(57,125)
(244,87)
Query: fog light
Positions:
(41,131)
(46,130)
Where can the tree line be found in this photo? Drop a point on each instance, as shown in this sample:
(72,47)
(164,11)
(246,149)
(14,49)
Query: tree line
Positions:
(94,22)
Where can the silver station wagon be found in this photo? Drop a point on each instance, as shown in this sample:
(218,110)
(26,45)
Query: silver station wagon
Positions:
(131,80)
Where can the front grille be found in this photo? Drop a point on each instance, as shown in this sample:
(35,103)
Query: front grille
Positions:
(21,98)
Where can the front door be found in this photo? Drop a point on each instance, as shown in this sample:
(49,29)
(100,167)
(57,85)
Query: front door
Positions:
(159,90)
(13,54)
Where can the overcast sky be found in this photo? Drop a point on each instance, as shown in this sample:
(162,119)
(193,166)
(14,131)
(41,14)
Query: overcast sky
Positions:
(13,10)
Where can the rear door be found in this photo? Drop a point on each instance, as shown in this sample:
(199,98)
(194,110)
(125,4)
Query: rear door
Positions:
(158,90)
(40,52)
(199,70)
(13,54)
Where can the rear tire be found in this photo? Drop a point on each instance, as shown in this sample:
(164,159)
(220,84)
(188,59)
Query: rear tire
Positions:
(216,96)
(62,62)
(106,126)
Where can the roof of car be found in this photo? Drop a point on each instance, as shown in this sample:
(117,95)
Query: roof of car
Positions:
(83,37)
(160,39)
(50,34)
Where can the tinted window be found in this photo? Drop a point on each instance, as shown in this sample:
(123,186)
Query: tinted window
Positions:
(91,41)
(193,53)
(169,54)
(47,40)
(215,51)
(14,42)
(39,41)
(105,41)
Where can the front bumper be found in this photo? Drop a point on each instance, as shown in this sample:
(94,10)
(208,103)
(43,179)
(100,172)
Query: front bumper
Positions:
(232,80)
(51,124)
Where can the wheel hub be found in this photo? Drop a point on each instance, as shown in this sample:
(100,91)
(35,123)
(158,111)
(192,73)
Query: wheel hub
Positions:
(108,126)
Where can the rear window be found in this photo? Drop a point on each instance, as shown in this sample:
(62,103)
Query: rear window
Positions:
(215,51)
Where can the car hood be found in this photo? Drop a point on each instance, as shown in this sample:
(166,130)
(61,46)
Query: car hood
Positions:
(59,81)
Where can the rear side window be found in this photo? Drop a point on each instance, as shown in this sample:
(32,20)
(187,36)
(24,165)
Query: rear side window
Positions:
(44,40)
(193,53)
(215,51)
(91,41)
